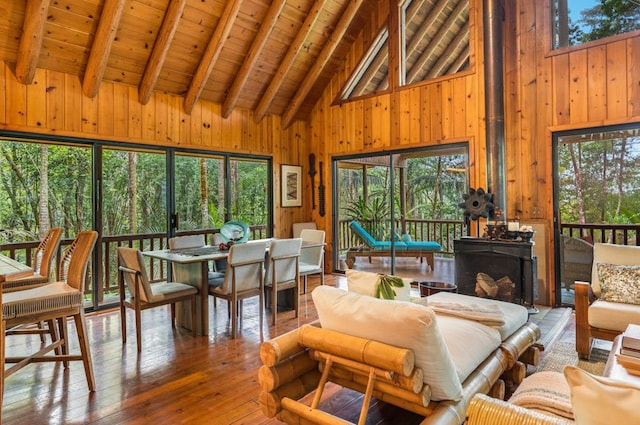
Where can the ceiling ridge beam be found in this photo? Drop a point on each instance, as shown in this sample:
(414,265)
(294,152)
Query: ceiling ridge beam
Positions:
(321,61)
(160,49)
(101,46)
(267,26)
(288,60)
(31,41)
(211,54)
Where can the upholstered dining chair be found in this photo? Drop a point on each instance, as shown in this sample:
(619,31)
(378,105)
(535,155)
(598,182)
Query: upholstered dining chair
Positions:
(41,261)
(144,295)
(243,279)
(55,301)
(197,241)
(312,258)
(283,272)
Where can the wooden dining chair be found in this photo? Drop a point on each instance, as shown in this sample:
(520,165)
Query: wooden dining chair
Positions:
(283,272)
(243,279)
(41,262)
(55,301)
(144,295)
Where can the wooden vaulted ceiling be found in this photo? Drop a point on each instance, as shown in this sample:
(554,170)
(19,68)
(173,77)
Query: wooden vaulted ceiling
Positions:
(271,57)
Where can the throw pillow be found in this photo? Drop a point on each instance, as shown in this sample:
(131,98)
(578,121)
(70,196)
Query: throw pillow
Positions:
(378,285)
(602,401)
(619,284)
(545,391)
(402,324)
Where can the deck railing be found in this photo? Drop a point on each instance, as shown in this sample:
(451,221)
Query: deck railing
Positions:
(108,283)
(442,231)
(618,234)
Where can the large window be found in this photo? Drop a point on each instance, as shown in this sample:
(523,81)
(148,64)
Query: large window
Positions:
(133,195)
(581,21)
(434,41)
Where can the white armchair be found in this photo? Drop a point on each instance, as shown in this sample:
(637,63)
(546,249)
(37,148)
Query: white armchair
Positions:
(605,317)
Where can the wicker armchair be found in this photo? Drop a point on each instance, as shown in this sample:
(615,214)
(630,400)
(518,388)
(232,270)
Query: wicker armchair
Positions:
(576,260)
(485,410)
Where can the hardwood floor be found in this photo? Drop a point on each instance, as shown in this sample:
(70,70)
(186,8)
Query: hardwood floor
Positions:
(177,379)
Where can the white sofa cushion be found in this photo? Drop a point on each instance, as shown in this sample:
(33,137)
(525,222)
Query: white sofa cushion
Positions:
(514,315)
(365,283)
(460,335)
(613,316)
(399,323)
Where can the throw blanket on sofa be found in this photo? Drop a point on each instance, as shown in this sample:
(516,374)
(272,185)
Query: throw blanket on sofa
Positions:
(489,314)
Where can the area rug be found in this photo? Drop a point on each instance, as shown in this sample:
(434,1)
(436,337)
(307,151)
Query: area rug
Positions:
(564,353)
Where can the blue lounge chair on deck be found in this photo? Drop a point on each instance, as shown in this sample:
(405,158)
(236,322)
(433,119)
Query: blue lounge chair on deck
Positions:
(421,249)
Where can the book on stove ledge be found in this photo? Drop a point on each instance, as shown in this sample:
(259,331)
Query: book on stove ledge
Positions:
(631,337)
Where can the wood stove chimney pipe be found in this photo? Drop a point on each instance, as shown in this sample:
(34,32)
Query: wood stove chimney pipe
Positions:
(494,102)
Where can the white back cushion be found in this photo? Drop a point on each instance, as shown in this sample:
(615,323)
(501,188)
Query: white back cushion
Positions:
(398,323)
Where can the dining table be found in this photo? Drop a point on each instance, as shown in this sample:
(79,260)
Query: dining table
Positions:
(192,267)
(11,269)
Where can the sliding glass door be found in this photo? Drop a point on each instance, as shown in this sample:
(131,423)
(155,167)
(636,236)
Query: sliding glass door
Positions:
(381,201)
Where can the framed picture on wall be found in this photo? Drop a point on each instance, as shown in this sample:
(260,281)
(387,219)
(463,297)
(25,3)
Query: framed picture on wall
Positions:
(291,187)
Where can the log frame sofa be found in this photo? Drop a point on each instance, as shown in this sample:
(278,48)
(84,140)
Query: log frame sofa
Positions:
(375,248)
(305,359)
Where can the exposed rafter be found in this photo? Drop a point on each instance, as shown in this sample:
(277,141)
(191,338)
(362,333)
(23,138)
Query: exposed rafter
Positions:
(160,49)
(288,60)
(211,54)
(324,57)
(99,55)
(31,40)
(252,57)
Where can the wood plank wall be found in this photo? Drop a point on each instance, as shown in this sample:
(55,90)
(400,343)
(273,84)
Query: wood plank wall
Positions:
(545,91)
(54,104)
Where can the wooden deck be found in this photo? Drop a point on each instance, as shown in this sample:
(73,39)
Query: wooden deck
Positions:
(176,379)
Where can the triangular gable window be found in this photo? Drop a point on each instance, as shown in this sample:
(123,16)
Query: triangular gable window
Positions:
(371,74)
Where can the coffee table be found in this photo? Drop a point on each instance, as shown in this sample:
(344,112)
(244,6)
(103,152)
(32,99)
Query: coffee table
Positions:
(615,370)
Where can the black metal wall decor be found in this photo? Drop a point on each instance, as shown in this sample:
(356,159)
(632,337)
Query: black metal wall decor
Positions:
(477,203)
(321,193)
(312,174)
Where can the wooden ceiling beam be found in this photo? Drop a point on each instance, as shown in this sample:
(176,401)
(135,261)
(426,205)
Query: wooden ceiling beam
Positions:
(440,36)
(35,18)
(288,60)
(160,49)
(268,23)
(211,54)
(321,61)
(101,46)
